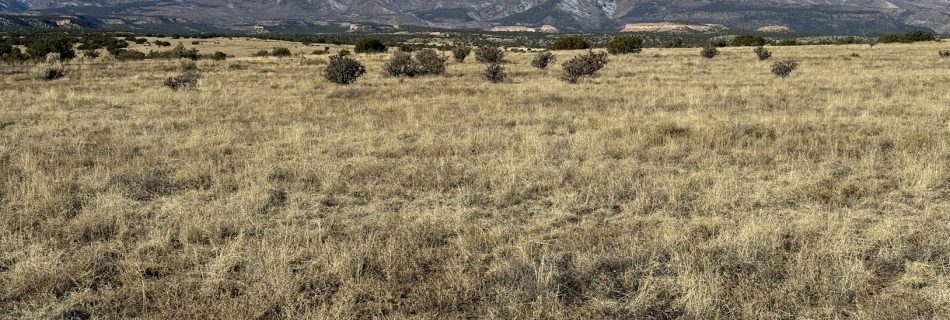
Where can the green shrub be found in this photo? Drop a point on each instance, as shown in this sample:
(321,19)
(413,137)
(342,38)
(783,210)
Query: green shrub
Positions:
(281,52)
(91,54)
(486,54)
(570,43)
(762,53)
(460,53)
(430,62)
(401,64)
(343,70)
(909,37)
(219,56)
(10,53)
(369,45)
(543,59)
(784,68)
(625,44)
(748,41)
(49,71)
(584,65)
(495,73)
(125,54)
(709,52)
(187,80)
(41,46)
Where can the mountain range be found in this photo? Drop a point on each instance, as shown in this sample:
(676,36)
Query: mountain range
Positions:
(803,16)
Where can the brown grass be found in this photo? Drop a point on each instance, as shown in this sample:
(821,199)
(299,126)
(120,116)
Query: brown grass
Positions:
(667,186)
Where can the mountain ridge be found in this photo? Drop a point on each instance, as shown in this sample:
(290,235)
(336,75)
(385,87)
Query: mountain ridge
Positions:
(806,16)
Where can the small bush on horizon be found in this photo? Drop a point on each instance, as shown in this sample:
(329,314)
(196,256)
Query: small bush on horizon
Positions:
(369,45)
(625,44)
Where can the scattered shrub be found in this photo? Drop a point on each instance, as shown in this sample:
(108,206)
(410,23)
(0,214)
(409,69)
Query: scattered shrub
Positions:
(91,54)
(343,70)
(41,46)
(178,52)
(718,43)
(543,59)
(786,42)
(487,54)
(312,62)
(909,37)
(709,52)
(237,66)
(369,45)
(161,43)
(427,61)
(401,64)
(195,43)
(124,54)
(495,73)
(320,52)
(784,68)
(140,41)
(944,53)
(10,53)
(343,52)
(762,53)
(261,53)
(189,66)
(748,41)
(625,44)
(187,80)
(460,53)
(570,43)
(405,47)
(219,56)
(584,65)
(49,71)
(430,62)
(281,52)
(675,43)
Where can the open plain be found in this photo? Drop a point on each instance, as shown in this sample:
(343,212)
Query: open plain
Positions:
(668,186)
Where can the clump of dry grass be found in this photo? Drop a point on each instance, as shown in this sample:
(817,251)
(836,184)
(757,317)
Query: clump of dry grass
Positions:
(272,193)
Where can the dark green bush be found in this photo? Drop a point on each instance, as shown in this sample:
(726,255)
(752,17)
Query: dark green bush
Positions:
(343,70)
(10,53)
(40,46)
(625,44)
(495,73)
(125,54)
(281,52)
(909,37)
(187,80)
(570,43)
(784,68)
(584,65)
(709,52)
(748,41)
(401,64)
(430,62)
(369,45)
(460,53)
(486,54)
(219,56)
(543,59)
(762,53)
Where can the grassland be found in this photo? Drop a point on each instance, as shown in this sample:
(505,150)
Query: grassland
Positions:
(668,186)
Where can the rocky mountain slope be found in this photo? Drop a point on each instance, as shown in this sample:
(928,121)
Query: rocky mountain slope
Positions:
(809,16)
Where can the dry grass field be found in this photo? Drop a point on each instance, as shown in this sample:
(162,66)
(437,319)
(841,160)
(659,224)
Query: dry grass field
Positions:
(668,186)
